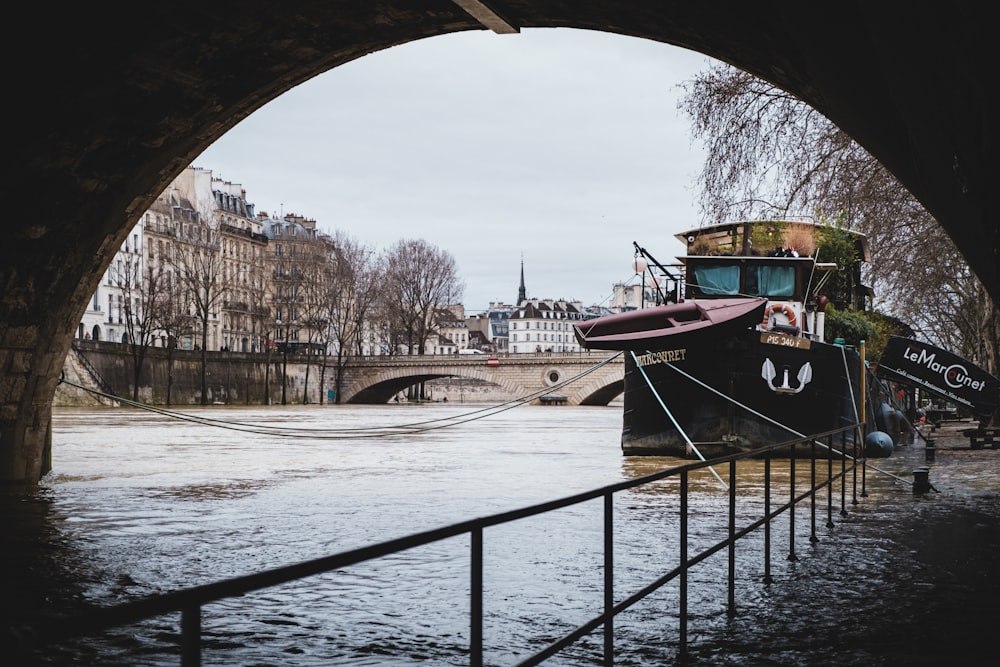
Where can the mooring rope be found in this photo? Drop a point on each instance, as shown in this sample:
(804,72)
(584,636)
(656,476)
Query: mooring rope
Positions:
(670,415)
(784,426)
(360,432)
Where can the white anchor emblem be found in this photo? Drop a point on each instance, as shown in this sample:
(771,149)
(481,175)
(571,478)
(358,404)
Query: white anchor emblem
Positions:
(769,373)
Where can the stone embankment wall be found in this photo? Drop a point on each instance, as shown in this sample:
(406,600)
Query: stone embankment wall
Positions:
(233,378)
(466,390)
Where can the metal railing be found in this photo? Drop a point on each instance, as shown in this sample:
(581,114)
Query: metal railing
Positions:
(822,448)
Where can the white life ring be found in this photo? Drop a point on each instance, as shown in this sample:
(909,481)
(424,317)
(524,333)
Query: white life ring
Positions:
(780,308)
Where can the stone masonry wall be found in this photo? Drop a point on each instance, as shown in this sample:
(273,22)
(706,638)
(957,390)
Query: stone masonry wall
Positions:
(232,378)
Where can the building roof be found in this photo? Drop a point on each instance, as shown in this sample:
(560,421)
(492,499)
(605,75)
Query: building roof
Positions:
(537,309)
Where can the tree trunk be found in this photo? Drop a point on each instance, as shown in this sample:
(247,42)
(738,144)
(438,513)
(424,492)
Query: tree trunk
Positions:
(138,359)
(322,378)
(305,386)
(284,371)
(170,368)
(338,381)
(204,361)
(267,376)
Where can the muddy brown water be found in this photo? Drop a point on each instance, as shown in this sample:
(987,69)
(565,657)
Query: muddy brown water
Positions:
(143,503)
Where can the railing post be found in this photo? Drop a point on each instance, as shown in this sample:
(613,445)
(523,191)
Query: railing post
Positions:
(791,498)
(829,481)
(191,636)
(812,492)
(476,598)
(682,612)
(864,469)
(609,581)
(843,473)
(767,518)
(732,538)
(854,470)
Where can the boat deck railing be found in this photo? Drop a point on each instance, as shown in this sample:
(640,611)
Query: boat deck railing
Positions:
(829,448)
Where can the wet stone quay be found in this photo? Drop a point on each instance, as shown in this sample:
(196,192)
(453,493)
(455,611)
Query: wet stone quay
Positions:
(920,584)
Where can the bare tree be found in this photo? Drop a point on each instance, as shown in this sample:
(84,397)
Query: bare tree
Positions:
(297,264)
(199,267)
(421,278)
(770,154)
(262,320)
(173,319)
(142,293)
(350,295)
(316,268)
(285,304)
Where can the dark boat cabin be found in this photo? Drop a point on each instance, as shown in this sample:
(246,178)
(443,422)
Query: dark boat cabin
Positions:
(775,259)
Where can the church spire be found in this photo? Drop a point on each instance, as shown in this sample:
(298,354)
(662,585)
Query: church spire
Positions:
(521,292)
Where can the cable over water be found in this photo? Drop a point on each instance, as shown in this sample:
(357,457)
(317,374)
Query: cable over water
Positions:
(784,426)
(367,432)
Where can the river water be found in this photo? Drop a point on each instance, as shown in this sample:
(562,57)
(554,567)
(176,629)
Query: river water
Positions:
(144,502)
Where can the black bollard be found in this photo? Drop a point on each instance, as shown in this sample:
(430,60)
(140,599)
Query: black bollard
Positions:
(921,481)
(929,450)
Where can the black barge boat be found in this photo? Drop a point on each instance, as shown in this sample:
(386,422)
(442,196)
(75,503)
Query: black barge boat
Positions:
(751,365)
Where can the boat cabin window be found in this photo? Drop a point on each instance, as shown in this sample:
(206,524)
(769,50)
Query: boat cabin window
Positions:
(771,281)
(714,278)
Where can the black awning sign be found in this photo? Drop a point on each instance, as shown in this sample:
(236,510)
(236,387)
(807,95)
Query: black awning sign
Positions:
(942,373)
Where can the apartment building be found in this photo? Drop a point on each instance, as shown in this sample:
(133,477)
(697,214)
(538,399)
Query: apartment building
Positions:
(539,325)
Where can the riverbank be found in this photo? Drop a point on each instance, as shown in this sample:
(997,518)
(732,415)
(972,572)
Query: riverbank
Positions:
(94,370)
(925,573)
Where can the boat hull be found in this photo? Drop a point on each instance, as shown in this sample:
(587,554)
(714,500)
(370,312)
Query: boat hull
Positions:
(781,387)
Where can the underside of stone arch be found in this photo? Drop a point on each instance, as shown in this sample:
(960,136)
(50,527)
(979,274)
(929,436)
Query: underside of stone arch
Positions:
(108,102)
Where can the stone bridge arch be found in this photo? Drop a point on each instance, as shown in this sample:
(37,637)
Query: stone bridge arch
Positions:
(367,385)
(600,378)
(128,95)
(600,388)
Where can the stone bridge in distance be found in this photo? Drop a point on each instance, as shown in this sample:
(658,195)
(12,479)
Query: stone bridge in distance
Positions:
(587,378)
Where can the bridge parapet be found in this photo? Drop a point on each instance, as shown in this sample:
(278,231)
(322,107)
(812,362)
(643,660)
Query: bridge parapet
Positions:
(376,379)
(586,357)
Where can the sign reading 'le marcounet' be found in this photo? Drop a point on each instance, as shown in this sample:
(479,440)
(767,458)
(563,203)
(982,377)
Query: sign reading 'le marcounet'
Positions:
(940,372)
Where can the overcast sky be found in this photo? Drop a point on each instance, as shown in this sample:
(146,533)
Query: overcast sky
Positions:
(557,146)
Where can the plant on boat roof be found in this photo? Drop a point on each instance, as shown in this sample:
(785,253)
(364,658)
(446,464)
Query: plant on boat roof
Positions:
(802,240)
(702,246)
(767,236)
(850,325)
(871,326)
(836,244)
